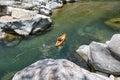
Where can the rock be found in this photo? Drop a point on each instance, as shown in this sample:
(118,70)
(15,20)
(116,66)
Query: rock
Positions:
(8,3)
(117,78)
(28,6)
(2,35)
(84,51)
(48,6)
(114,23)
(114,45)
(20,13)
(24,24)
(59,69)
(10,40)
(53,5)
(43,6)
(101,58)
(101,73)
(112,77)
(45,10)
(107,42)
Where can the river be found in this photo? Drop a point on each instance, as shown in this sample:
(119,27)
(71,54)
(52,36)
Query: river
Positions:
(83,22)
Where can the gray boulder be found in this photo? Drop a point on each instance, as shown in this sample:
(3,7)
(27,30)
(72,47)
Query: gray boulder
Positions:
(103,60)
(8,3)
(27,6)
(25,27)
(42,6)
(84,51)
(59,69)
(99,56)
(23,22)
(114,45)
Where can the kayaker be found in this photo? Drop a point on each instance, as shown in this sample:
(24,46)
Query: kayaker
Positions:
(59,39)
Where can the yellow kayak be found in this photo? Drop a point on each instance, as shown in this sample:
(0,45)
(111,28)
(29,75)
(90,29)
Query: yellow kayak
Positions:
(60,40)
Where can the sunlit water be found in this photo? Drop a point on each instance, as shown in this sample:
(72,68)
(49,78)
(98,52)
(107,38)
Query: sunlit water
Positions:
(82,22)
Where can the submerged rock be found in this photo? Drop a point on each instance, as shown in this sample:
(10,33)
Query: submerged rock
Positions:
(99,55)
(42,6)
(9,40)
(59,69)
(114,23)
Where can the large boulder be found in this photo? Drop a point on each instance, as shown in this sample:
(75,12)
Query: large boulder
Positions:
(114,45)
(8,2)
(59,69)
(24,22)
(99,56)
(21,13)
(42,6)
(103,60)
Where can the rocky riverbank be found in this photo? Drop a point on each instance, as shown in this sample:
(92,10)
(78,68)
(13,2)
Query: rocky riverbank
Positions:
(26,17)
(85,74)
(104,57)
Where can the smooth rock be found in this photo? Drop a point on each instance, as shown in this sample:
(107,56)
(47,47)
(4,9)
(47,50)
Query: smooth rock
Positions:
(114,45)
(28,6)
(53,5)
(45,10)
(101,73)
(84,51)
(8,2)
(43,6)
(27,26)
(101,58)
(21,13)
(59,69)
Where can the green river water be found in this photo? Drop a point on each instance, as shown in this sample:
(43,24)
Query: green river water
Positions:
(83,22)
